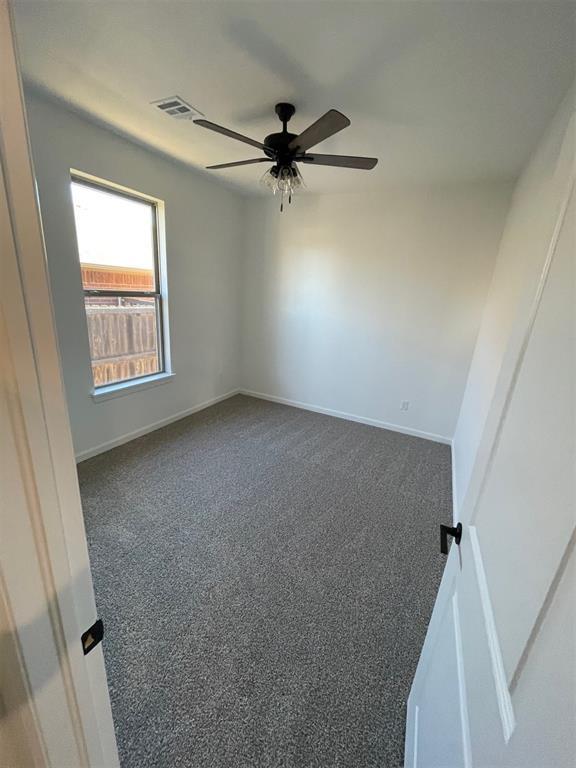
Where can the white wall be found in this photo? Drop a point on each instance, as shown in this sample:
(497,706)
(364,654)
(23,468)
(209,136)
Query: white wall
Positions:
(203,225)
(349,303)
(354,303)
(536,205)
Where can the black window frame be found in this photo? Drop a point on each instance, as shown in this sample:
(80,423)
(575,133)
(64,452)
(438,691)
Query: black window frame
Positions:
(102,186)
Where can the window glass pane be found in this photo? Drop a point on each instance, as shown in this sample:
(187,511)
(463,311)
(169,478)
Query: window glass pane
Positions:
(123,333)
(115,240)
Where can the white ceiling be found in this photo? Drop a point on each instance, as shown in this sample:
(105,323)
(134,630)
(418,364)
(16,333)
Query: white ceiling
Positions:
(438,91)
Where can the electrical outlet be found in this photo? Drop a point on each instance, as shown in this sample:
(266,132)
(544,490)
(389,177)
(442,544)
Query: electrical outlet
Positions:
(405,405)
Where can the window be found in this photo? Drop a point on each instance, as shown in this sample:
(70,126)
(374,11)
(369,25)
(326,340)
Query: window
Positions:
(117,235)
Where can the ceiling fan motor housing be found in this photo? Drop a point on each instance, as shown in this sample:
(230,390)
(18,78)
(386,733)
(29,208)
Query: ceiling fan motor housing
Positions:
(277,145)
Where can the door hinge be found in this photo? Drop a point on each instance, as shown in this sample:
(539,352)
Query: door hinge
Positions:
(92,636)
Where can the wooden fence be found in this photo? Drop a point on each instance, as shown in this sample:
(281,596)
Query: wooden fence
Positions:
(123,342)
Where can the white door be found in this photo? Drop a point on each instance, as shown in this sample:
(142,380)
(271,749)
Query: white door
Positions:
(496,684)
(54,702)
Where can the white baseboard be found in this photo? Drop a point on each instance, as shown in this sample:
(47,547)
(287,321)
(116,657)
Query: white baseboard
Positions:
(90,452)
(83,455)
(350,417)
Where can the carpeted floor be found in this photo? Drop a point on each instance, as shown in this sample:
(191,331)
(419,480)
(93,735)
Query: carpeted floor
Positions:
(265,576)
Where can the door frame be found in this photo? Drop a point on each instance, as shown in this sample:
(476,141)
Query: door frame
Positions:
(470,544)
(45,570)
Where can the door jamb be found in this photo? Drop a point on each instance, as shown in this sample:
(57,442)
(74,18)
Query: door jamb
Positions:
(53,542)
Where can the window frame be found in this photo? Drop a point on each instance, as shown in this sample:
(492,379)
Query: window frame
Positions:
(160,295)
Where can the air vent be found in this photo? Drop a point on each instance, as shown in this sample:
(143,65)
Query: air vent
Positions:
(174,106)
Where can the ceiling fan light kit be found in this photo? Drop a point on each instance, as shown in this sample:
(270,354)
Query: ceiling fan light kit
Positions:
(284,180)
(285,150)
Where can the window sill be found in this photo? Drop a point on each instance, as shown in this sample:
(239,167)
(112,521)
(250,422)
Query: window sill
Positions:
(127,387)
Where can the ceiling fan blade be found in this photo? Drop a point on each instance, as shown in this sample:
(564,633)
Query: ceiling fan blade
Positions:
(326,126)
(240,162)
(228,132)
(340,161)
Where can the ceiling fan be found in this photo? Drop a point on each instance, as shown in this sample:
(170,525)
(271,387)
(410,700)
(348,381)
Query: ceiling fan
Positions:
(286,149)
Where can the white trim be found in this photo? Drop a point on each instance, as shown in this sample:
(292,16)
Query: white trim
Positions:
(20,710)
(109,444)
(83,455)
(500,683)
(121,388)
(133,385)
(455,505)
(45,564)
(415,752)
(113,186)
(350,417)
(464,718)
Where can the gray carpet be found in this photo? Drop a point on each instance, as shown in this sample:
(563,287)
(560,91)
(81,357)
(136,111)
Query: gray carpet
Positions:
(265,576)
